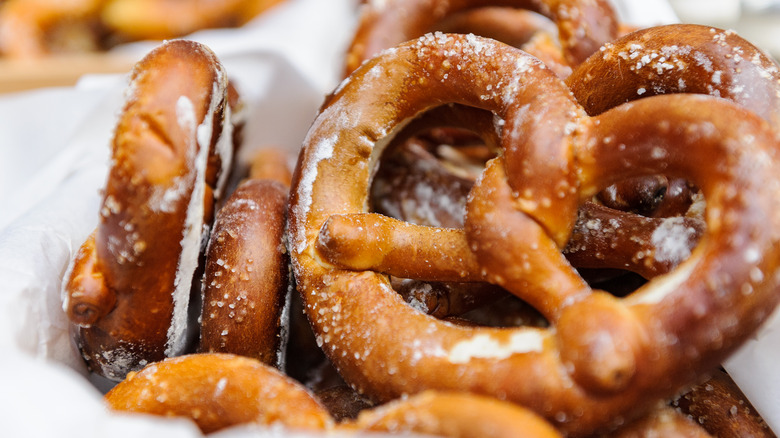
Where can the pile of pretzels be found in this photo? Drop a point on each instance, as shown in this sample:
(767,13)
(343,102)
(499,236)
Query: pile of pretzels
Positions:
(559,226)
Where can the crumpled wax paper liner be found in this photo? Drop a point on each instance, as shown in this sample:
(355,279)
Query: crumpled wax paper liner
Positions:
(53,164)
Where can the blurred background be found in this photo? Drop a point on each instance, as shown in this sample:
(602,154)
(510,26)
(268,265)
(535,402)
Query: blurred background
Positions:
(756,20)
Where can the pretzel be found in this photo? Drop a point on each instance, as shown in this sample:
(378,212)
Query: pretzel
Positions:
(161,19)
(607,358)
(583,26)
(216,391)
(33,28)
(245,283)
(722,409)
(662,421)
(521,28)
(454,415)
(129,287)
(679,58)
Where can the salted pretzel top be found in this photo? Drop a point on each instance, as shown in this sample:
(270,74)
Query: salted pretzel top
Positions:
(679,58)
(605,359)
(583,25)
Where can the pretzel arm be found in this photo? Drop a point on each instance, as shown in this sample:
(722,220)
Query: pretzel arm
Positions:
(606,238)
(368,241)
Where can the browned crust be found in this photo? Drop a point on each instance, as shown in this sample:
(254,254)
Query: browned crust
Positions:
(217,391)
(583,25)
(159,194)
(245,283)
(608,359)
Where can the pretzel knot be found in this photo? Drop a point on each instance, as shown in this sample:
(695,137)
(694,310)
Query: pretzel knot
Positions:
(604,359)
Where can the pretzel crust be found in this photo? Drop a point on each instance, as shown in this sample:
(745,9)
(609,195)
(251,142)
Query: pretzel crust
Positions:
(245,282)
(454,415)
(679,58)
(170,155)
(160,19)
(583,25)
(218,390)
(694,315)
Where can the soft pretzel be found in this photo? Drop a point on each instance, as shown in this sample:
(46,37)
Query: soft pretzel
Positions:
(32,28)
(129,288)
(679,58)
(605,238)
(245,283)
(722,409)
(161,19)
(218,390)
(662,421)
(454,415)
(583,25)
(607,358)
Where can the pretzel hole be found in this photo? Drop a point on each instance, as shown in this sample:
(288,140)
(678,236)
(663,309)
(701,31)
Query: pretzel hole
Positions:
(425,180)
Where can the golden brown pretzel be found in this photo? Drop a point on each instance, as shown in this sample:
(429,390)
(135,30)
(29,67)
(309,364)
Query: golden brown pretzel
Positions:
(607,358)
(170,155)
(722,409)
(521,28)
(245,283)
(453,415)
(412,185)
(160,19)
(582,26)
(679,58)
(32,28)
(218,390)
(604,238)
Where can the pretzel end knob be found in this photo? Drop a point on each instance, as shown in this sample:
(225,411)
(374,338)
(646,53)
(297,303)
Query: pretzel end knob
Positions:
(88,298)
(600,341)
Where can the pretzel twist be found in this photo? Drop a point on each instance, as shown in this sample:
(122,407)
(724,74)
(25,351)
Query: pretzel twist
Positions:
(607,358)
(129,288)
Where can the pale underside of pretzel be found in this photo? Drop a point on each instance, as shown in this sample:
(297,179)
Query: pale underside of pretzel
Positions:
(687,316)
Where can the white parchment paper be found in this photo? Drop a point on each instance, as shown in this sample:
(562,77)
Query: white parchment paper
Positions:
(53,161)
